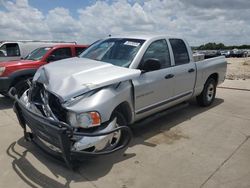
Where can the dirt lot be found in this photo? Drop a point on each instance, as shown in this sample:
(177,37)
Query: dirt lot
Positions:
(238,68)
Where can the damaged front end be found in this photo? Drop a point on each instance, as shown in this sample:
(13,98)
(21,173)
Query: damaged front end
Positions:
(50,129)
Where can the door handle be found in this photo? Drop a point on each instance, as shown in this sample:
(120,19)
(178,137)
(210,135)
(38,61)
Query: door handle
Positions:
(169,76)
(191,70)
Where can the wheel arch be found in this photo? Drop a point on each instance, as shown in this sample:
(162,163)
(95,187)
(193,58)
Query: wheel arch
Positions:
(22,74)
(125,109)
(215,76)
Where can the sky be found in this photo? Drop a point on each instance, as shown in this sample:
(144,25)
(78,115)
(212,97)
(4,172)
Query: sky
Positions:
(86,21)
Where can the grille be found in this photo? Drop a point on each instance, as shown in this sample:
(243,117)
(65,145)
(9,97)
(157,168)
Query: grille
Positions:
(35,97)
(57,108)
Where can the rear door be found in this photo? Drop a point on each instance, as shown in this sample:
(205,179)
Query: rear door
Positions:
(184,70)
(153,89)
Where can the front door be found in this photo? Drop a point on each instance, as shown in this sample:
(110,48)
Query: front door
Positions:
(153,89)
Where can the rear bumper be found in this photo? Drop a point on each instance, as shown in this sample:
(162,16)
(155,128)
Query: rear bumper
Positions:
(5,83)
(57,138)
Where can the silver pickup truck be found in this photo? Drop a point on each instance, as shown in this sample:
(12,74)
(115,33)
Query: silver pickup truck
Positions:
(82,106)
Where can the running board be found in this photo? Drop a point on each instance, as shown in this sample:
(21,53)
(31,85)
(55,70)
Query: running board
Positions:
(163,113)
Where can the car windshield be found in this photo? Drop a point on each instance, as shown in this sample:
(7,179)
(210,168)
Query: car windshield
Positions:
(37,54)
(117,51)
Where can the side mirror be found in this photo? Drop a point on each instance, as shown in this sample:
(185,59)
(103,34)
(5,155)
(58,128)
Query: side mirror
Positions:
(151,65)
(51,58)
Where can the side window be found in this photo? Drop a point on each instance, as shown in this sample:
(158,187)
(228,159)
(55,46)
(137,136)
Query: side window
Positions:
(79,50)
(10,50)
(61,53)
(180,51)
(158,50)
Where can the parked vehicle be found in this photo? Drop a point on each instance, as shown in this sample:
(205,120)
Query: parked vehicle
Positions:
(226,53)
(211,53)
(237,53)
(15,50)
(16,73)
(86,110)
(246,53)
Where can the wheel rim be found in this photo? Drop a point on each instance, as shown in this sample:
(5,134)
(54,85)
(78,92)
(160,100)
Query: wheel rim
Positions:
(116,137)
(210,92)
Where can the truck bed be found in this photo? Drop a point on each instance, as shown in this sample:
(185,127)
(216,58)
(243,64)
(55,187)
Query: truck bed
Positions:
(206,67)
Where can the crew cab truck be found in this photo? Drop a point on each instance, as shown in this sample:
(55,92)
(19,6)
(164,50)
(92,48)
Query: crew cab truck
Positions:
(15,73)
(85,110)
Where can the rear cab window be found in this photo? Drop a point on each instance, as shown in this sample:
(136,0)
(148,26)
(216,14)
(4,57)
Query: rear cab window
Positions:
(9,50)
(181,55)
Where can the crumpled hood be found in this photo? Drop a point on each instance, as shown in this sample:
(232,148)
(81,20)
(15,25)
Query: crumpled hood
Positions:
(75,76)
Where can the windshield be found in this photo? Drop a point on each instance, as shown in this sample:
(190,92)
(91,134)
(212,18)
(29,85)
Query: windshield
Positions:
(38,53)
(117,51)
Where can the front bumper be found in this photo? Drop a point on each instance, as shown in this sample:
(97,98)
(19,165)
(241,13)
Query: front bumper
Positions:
(5,83)
(58,138)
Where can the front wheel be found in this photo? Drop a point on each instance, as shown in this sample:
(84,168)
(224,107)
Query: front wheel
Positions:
(21,86)
(118,136)
(206,98)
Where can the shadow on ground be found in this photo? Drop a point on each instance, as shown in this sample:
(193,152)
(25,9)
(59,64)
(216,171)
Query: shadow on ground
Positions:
(143,131)
(5,103)
(32,175)
(94,169)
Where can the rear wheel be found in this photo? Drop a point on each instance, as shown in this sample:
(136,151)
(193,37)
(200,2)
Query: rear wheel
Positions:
(206,98)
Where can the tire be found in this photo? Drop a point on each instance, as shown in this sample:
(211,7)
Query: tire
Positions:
(21,86)
(118,137)
(206,98)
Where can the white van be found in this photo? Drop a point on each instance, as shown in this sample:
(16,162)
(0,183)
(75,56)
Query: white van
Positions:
(15,50)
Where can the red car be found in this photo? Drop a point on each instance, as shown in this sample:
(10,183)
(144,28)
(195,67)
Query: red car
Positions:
(16,73)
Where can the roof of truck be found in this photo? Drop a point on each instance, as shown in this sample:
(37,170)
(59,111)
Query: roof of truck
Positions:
(143,36)
(65,45)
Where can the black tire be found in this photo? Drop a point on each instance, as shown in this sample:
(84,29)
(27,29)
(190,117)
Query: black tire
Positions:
(121,121)
(206,98)
(21,86)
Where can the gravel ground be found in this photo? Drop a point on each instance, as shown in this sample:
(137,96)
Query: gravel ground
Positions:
(238,68)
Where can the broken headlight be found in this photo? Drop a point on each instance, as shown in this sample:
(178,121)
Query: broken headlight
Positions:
(84,120)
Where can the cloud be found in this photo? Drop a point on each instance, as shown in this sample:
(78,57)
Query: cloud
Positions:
(221,4)
(199,21)
(20,20)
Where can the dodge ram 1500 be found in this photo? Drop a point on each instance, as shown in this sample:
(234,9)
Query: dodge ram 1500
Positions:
(84,108)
